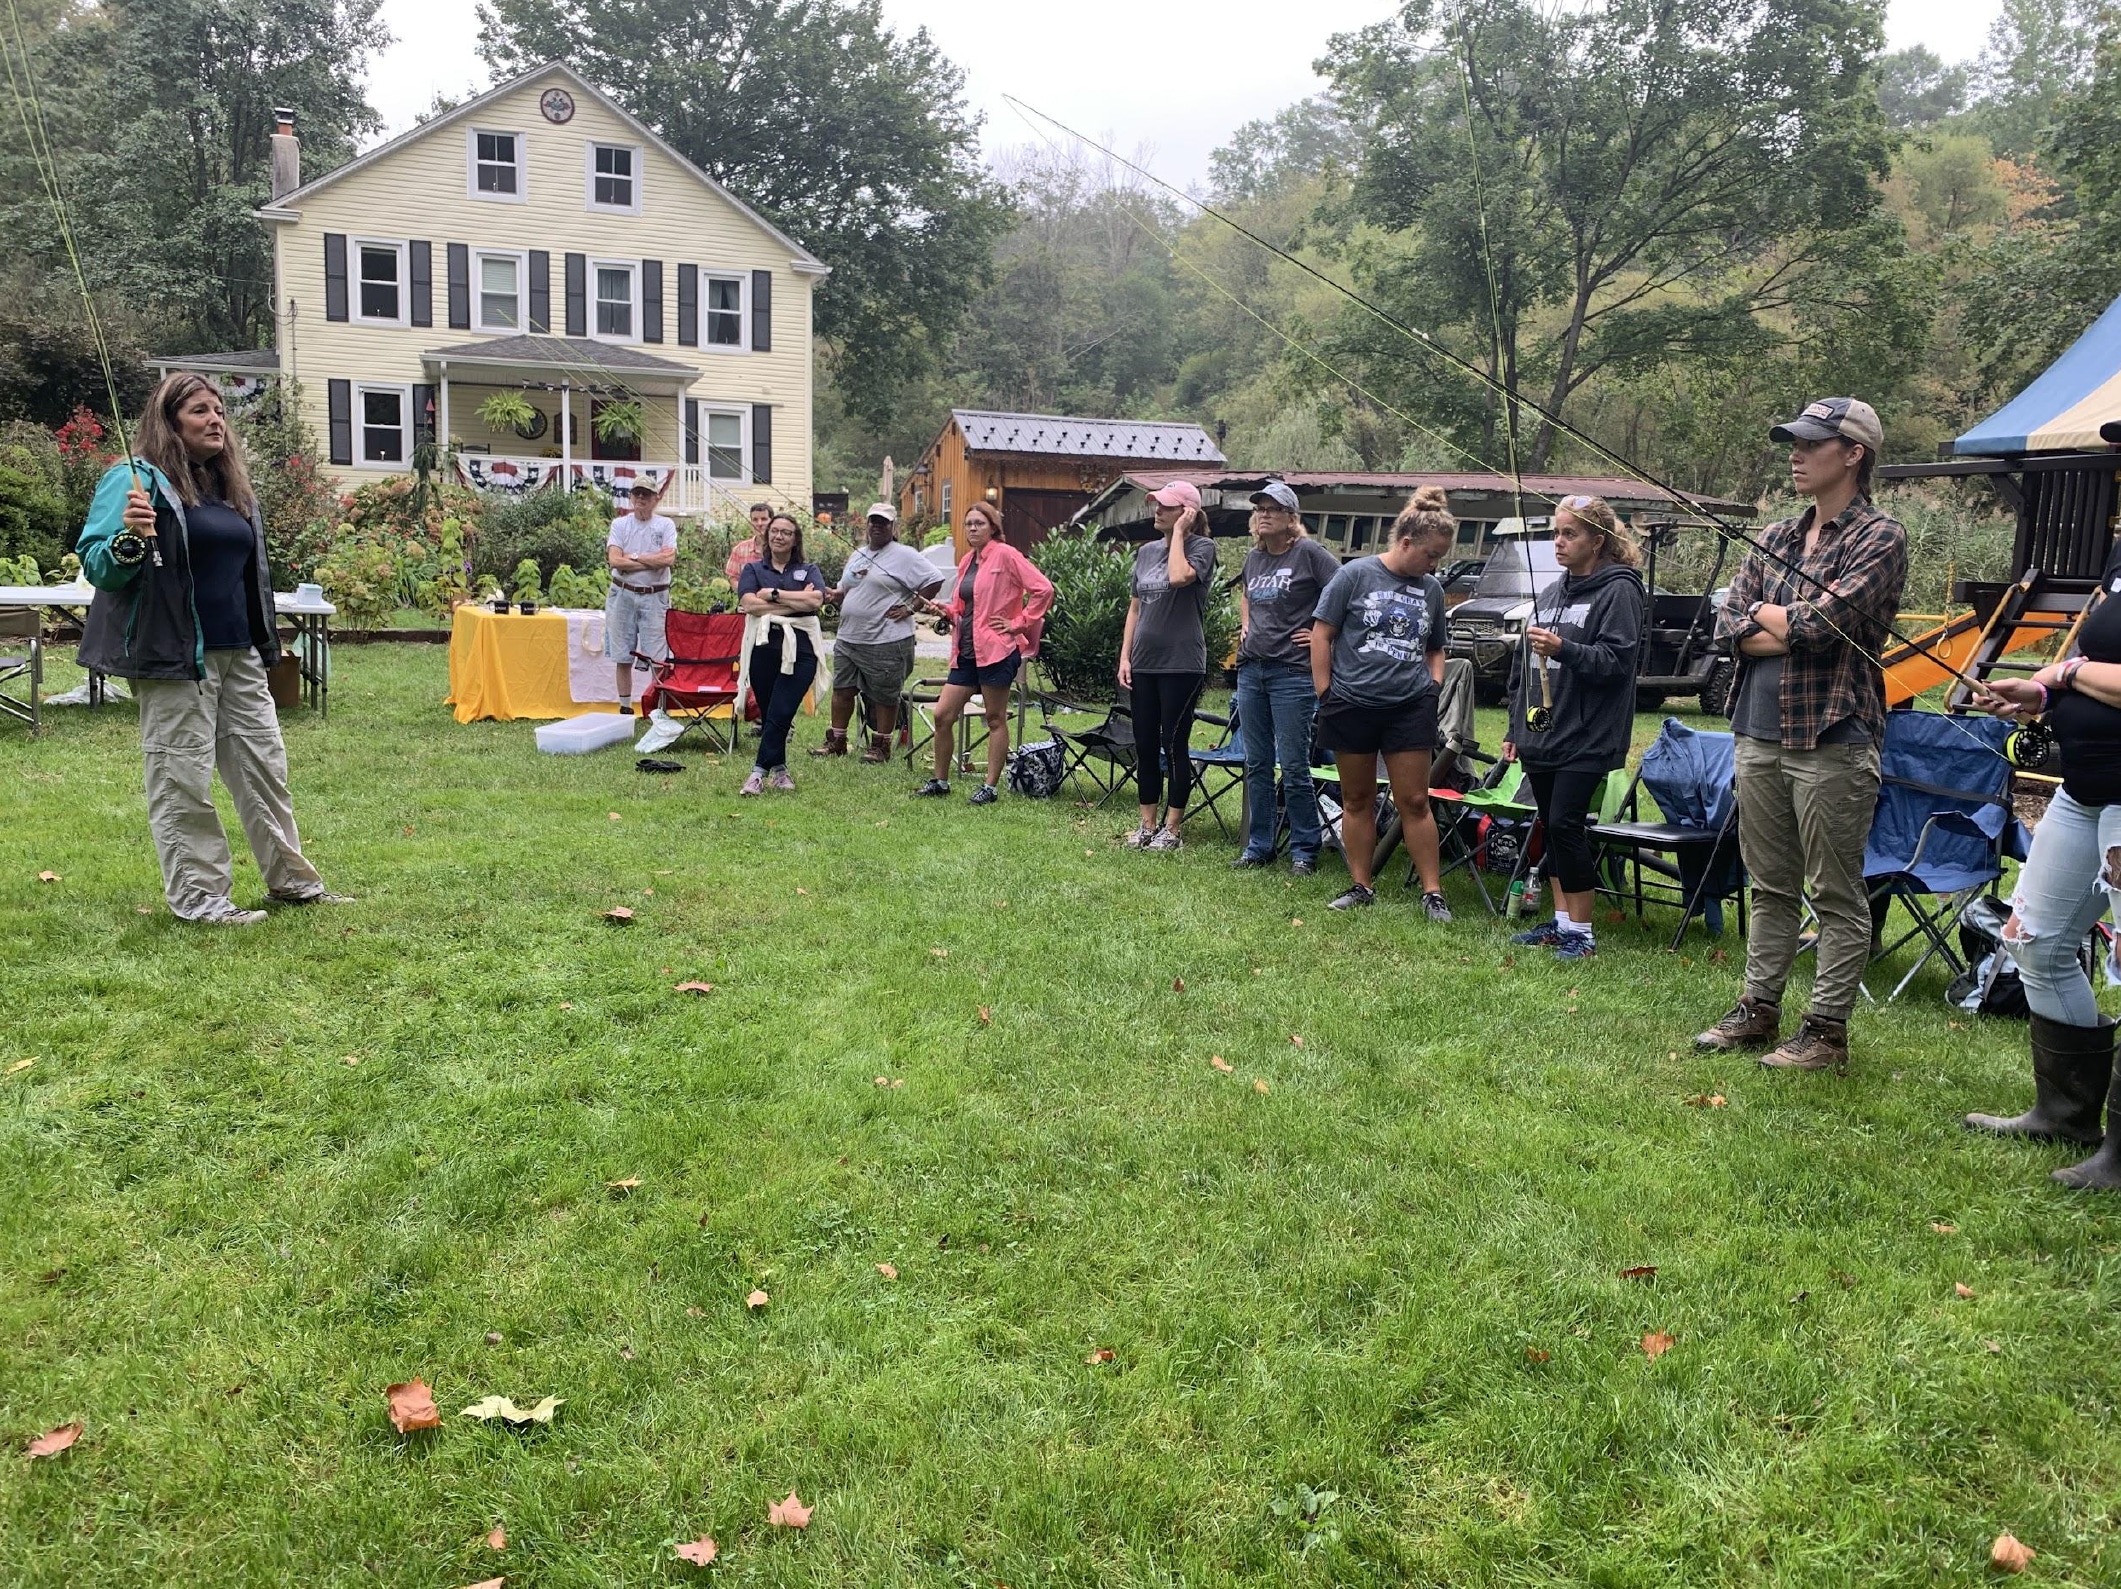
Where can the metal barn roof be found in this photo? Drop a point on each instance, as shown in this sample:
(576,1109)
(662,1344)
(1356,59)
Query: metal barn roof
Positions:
(1066,436)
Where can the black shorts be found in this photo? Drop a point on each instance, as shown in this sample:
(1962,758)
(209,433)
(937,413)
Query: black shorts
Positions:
(996,675)
(1375,730)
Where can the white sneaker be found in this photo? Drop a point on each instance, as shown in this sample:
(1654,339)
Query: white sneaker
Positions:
(1141,838)
(1165,840)
(231,918)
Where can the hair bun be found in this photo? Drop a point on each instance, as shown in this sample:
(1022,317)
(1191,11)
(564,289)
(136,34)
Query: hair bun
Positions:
(1430,499)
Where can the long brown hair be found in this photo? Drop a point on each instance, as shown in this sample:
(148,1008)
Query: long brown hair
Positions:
(987,511)
(160,442)
(1616,542)
(1426,517)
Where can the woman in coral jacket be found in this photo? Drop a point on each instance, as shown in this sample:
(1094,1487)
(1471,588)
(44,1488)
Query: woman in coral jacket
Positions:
(997,610)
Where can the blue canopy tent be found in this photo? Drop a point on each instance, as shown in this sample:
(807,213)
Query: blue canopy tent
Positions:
(2067,408)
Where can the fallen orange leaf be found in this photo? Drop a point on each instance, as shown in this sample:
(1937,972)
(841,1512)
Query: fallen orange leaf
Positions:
(1964,1290)
(757,1300)
(497,1539)
(1296,921)
(1221,1064)
(1641,1271)
(940,953)
(888,1271)
(702,988)
(2010,1554)
(47,877)
(790,1513)
(22,1064)
(619,914)
(624,1188)
(1294,1038)
(699,1552)
(412,1406)
(985,1016)
(408,830)
(804,891)
(613,815)
(487,1583)
(1706,1100)
(1104,1354)
(1533,1354)
(1259,1086)
(54,1441)
(566,1004)
(1178,984)
(1942,1229)
(1656,1344)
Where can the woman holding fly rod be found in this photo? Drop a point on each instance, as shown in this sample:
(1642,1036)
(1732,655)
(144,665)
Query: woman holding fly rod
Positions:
(1572,703)
(184,609)
(2066,885)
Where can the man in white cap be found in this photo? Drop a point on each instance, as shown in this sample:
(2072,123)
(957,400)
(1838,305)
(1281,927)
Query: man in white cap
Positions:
(641,549)
(872,655)
(1807,616)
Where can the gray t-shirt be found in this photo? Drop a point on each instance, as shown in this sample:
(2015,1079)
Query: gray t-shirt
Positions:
(875,582)
(1388,625)
(1757,713)
(1169,631)
(1281,592)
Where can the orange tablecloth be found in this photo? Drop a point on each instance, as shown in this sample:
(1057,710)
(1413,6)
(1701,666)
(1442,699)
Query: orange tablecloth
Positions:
(504,665)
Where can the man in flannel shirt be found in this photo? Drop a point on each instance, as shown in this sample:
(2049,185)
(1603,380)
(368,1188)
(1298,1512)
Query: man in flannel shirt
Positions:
(1809,716)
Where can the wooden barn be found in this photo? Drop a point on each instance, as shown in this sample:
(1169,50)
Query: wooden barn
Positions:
(1038,468)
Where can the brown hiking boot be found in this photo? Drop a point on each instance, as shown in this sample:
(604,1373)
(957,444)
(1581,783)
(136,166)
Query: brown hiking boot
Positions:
(1820,1044)
(835,744)
(1753,1023)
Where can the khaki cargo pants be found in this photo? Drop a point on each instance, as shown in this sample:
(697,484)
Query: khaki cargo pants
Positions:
(1804,817)
(187,729)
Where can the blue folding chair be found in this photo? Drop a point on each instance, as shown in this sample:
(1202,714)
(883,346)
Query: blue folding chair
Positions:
(1942,829)
(1218,770)
(1689,857)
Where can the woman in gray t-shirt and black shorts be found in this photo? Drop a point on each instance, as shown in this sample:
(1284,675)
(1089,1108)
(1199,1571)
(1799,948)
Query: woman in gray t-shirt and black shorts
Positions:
(1377,661)
(1163,657)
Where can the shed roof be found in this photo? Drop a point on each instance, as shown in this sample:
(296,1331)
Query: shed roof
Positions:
(1066,436)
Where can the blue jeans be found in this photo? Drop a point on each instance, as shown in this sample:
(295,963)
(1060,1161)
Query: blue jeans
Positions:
(1275,706)
(2060,894)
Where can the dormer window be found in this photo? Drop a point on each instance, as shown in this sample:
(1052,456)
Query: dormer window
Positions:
(497,165)
(615,177)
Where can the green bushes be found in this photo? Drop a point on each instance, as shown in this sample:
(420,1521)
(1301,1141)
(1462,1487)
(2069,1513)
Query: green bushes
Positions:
(1092,585)
(299,507)
(548,527)
(35,518)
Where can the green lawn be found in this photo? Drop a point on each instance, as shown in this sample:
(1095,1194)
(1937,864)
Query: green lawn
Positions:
(1384,1263)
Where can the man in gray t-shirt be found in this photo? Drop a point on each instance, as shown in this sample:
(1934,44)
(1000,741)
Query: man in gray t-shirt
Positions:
(872,654)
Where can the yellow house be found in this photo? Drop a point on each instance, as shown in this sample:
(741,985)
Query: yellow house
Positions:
(540,245)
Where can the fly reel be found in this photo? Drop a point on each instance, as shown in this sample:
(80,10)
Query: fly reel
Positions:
(2029,745)
(1539,719)
(128,549)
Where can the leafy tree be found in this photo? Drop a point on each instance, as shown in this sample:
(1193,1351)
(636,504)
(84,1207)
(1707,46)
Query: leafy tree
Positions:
(160,112)
(851,138)
(1916,88)
(1265,157)
(2038,53)
(1657,181)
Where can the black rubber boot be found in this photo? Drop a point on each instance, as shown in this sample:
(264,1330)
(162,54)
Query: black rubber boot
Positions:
(2072,1066)
(2102,1171)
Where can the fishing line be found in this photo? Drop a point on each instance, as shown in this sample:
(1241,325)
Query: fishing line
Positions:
(1636,471)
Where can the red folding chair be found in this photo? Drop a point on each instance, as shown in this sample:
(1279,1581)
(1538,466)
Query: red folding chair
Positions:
(697,685)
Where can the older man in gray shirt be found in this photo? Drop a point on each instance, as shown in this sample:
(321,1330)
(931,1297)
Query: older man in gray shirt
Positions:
(872,655)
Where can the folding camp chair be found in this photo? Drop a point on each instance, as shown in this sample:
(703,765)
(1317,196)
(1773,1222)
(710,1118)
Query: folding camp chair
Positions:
(1218,773)
(1689,856)
(697,683)
(1471,825)
(1104,753)
(22,659)
(1941,831)
(917,710)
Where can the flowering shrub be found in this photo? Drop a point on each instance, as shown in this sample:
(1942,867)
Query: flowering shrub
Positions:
(362,576)
(300,509)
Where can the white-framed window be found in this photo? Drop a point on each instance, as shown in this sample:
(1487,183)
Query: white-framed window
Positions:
(942,501)
(379,282)
(722,443)
(614,177)
(497,281)
(722,311)
(613,311)
(495,161)
(383,424)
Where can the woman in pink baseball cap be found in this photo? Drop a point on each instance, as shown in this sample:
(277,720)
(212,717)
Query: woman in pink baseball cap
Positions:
(1163,657)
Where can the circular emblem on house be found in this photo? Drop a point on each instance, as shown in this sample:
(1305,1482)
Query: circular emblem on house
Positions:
(558,106)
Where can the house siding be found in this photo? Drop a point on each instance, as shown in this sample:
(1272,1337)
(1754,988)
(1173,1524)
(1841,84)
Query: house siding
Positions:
(419,193)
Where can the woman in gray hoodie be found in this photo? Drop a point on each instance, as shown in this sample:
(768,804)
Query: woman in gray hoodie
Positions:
(1574,728)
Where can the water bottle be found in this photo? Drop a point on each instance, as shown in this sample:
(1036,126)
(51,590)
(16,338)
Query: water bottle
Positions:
(1514,904)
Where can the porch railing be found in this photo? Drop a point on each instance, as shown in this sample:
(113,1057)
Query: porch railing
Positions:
(694,491)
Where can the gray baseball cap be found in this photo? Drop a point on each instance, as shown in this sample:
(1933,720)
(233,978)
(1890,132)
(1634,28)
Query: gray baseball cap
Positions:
(1849,418)
(1274,494)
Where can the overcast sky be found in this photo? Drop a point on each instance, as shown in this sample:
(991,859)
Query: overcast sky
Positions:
(1175,77)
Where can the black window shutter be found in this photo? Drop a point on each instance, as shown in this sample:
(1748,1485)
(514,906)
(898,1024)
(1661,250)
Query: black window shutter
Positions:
(689,308)
(423,417)
(692,428)
(762,443)
(651,300)
(540,291)
(459,287)
(578,295)
(335,275)
(420,258)
(340,397)
(762,311)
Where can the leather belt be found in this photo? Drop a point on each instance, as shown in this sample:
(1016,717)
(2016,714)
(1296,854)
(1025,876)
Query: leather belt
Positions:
(641,590)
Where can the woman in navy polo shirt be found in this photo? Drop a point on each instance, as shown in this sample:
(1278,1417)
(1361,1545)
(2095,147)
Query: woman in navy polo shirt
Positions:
(779,596)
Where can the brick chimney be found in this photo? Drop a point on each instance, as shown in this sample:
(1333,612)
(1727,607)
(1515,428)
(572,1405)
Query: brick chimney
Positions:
(286,155)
